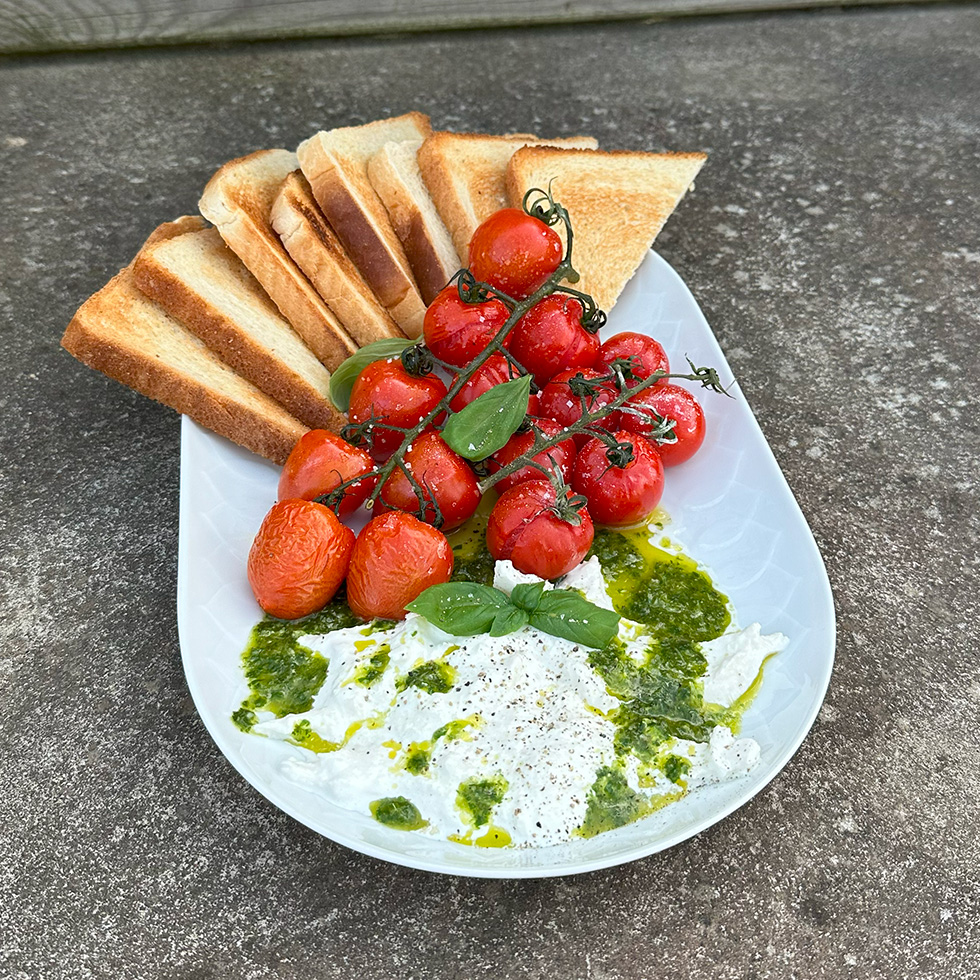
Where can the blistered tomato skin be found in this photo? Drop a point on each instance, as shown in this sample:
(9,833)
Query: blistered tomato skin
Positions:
(672,402)
(456,331)
(514,252)
(321,461)
(550,338)
(443,475)
(395,559)
(559,402)
(298,558)
(523,528)
(560,456)
(496,370)
(647,355)
(386,391)
(619,496)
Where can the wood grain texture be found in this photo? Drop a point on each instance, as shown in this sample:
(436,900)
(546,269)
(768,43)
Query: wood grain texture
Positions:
(28,26)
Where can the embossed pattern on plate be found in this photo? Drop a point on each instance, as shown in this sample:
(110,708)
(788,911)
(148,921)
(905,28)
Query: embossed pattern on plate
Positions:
(732,510)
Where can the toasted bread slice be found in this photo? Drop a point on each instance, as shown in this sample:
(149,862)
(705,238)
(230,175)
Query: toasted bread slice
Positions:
(238,202)
(199,280)
(315,248)
(335,164)
(125,335)
(395,175)
(466,176)
(617,202)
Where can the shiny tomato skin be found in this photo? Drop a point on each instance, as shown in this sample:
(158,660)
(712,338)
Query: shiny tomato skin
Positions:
(648,355)
(444,475)
(672,402)
(396,557)
(562,455)
(558,402)
(619,496)
(496,370)
(321,461)
(386,390)
(550,338)
(298,558)
(456,331)
(514,252)
(524,529)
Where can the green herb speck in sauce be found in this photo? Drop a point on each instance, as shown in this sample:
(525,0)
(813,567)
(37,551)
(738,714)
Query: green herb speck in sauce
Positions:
(398,813)
(477,798)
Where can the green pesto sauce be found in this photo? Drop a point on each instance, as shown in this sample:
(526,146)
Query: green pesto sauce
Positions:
(471,560)
(371,671)
(477,798)
(284,675)
(399,813)
(418,755)
(433,677)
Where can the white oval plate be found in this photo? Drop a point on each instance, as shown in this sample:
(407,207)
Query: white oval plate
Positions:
(732,510)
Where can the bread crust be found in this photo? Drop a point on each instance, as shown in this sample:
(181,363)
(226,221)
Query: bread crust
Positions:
(125,335)
(238,201)
(225,335)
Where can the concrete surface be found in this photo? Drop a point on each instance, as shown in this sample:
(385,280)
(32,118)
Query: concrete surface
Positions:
(833,244)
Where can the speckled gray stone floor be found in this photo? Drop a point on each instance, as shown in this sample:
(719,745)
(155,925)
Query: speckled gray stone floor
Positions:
(833,244)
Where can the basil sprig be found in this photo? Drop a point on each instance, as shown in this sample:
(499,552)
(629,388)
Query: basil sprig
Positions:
(485,425)
(342,380)
(468,609)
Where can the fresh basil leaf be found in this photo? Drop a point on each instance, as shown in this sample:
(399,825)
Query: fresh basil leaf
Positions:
(565,613)
(460,608)
(485,425)
(527,595)
(508,620)
(342,380)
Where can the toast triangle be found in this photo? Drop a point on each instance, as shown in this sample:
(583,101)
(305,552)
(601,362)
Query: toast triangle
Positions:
(617,202)
(125,335)
(238,202)
(466,176)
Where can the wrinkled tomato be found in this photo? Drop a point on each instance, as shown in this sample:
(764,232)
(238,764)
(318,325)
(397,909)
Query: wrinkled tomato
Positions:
(456,331)
(560,456)
(321,461)
(550,338)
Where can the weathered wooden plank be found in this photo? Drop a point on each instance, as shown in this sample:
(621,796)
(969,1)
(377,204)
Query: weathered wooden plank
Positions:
(40,25)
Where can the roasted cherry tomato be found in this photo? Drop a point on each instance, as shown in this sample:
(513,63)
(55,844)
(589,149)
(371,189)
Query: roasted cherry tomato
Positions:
(540,534)
(623,484)
(299,558)
(321,461)
(550,338)
(494,371)
(395,559)
(644,353)
(559,400)
(560,456)
(672,402)
(444,477)
(456,331)
(514,252)
(386,391)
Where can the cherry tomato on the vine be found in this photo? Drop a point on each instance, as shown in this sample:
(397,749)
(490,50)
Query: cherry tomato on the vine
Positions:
(539,533)
(386,391)
(514,252)
(494,371)
(560,456)
(321,461)
(550,338)
(622,485)
(645,353)
(395,559)
(559,402)
(672,402)
(444,476)
(456,331)
(298,558)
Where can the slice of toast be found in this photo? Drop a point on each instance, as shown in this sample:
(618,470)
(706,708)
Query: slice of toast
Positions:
(125,335)
(335,164)
(466,176)
(394,173)
(311,242)
(617,203)
(238,202)
(199,280)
